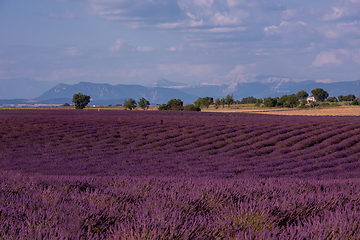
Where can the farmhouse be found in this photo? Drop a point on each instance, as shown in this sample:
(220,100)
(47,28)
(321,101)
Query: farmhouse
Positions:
(311,99)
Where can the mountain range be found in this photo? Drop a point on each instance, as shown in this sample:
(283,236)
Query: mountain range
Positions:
(241,85)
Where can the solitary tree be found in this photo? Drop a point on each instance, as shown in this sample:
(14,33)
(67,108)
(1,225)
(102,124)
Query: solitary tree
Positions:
(143,103)
(80,100)
(319,94)
(130,104)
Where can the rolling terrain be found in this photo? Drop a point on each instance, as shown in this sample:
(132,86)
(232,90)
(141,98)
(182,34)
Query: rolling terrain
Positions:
(109,174)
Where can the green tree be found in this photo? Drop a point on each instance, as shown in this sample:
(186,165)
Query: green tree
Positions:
(258,102)
(303,103)
(80,100)
(319,94)
(143,103)
(217,103)
(229,99)
(222,102)
(248,100)
(130,104)
(331,99)
(204,102)
(349,98)
(270,102)
(292,101)
(174,104)
(302,94)
(162,107)
(282,100)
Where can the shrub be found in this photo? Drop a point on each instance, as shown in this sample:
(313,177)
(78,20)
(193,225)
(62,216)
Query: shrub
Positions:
(192,107)
(331,99)
(303,103)
(172,104)
(324,104)
(162,107)
(355,102)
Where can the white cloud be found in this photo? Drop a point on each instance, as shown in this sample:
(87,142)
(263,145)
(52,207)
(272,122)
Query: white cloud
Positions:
(228,19)
(117,45)
(342,9)
(337,57)
(336,13)
(178,48)
(290,14)
(324,58)
(72,51)
(340,30)
(216,30)
(144,49)
(200,3)
(241,69)
(284,27)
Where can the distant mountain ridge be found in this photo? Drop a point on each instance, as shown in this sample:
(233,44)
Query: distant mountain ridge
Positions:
(241,85)
(168,84)
(103,92)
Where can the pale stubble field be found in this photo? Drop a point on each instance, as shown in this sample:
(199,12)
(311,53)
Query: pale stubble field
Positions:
(330,111)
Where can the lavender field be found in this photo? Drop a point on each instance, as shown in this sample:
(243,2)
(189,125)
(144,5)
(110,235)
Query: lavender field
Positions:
(88,174)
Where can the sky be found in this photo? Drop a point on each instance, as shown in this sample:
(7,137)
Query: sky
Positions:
(141,41)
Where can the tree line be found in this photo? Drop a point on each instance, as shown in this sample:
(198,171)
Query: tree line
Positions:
(289,101)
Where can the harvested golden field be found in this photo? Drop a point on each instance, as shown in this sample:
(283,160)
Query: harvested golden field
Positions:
(331,111)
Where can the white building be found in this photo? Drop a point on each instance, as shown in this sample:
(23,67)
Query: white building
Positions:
(311,99)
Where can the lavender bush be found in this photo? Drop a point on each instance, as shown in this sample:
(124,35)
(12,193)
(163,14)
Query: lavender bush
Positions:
(177,175)
(93,207)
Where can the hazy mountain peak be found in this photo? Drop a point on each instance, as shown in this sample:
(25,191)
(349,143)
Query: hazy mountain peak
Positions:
(235,79)
(162,82)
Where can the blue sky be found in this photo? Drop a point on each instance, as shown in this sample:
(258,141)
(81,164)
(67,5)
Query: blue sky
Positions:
(141,41)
